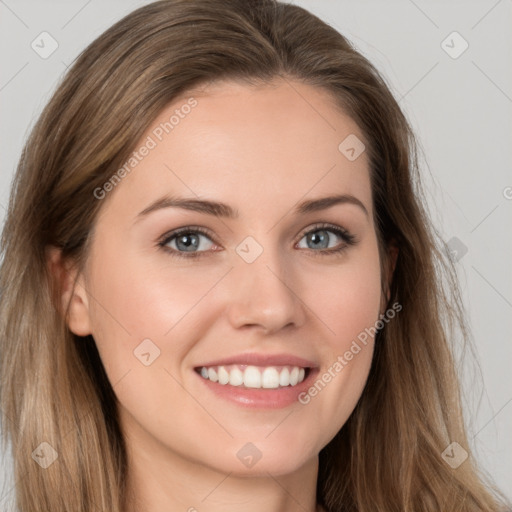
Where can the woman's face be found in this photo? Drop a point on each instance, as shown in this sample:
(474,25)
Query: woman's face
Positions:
(276,286)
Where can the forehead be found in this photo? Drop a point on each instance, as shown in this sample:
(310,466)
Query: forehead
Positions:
(254,147)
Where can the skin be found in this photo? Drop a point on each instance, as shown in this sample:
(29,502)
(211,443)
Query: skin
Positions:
(260,150)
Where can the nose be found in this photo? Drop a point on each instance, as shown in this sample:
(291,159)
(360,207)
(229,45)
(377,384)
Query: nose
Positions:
(263,294)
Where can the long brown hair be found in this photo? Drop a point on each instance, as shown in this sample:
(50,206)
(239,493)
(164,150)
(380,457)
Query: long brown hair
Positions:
(387,457)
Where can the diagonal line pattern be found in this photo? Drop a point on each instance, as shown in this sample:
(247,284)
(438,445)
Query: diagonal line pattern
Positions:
(457,205)
(301,300)
(279,424)
(485,15)
(3,3)
(104,309)
(286,491)
(424,14)
(492,81)
(14,76)
(212,287)
(291,208)
(418,82)
(488,215)
(503,407)
(501,295)
(199,403)
(90,409)
(499,1)
(288,82)
(165,165)
(76,14)
(217,486)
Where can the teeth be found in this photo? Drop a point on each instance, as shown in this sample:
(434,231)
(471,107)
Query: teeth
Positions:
(256,377)
(284,377)
(252,377)
(223,375)
(236,377)
(270,378)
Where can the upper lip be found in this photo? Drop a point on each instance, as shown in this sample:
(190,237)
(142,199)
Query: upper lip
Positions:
(255,359)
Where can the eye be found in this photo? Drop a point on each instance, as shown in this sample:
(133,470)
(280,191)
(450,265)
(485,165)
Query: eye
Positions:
(327,238)
(194,241)
(187,242)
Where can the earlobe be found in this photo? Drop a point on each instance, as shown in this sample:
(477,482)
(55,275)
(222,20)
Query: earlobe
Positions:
(70,296)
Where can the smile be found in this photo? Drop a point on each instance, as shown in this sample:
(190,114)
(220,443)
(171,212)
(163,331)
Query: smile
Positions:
(255,377)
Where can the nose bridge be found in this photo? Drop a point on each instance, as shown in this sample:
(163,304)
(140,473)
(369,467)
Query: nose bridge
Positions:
(263,288)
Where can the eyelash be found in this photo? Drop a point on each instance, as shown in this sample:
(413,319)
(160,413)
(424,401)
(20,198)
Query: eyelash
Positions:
(347,238)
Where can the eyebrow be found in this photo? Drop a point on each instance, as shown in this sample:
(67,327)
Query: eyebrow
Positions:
(223,210)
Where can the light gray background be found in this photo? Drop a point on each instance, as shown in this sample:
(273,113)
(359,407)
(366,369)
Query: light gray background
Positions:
(460,108)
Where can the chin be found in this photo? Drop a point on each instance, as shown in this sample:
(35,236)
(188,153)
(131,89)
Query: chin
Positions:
(259,459)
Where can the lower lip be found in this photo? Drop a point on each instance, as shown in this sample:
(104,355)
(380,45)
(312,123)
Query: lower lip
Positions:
(277,398)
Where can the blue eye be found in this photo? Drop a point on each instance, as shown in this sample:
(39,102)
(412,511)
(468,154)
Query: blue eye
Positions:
(193,241)
(187,242)
(322,237)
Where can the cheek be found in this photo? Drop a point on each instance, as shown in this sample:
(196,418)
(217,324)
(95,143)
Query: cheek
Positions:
(140,317)
(138,297)
(348,300)
(348,303)
(150,314)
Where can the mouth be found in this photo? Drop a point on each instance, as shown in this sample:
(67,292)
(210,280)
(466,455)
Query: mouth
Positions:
(256,380)
(255,377)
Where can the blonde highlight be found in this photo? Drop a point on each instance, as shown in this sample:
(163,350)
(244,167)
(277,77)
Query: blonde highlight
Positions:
(53,387)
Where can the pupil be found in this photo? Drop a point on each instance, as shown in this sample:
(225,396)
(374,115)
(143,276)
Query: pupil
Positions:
(319,237)
(188,241)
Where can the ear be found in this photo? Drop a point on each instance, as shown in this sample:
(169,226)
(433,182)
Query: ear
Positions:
(69,288)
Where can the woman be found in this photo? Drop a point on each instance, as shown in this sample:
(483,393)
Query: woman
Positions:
(229,290)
